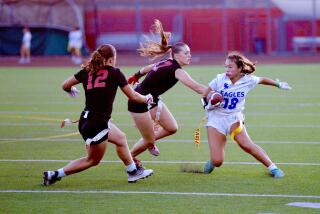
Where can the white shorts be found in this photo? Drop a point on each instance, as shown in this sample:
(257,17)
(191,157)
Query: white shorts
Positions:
(76,45)
(223,123)
(27,44)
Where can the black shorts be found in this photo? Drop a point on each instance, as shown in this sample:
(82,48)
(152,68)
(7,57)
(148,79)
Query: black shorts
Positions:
(93,127)
(135,107)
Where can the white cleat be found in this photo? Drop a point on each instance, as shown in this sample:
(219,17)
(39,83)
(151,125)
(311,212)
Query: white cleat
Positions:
(139,174)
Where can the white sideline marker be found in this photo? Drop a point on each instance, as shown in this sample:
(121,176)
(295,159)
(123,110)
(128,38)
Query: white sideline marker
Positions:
(305,204)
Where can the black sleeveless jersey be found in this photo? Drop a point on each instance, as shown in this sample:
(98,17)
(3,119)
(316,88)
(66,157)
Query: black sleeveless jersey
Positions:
(100,88)
(160,79)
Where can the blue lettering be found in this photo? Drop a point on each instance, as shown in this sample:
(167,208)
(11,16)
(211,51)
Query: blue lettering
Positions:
(232,94)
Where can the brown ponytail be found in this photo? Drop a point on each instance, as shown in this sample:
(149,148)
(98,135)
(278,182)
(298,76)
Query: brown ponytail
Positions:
(152,48)
(247,67)
(99,58)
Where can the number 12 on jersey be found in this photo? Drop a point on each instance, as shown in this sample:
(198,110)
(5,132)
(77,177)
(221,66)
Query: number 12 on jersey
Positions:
(99,81)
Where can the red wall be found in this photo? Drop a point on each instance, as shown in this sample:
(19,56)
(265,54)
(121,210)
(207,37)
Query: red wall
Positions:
(203,29)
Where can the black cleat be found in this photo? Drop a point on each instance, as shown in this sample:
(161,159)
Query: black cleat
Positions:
(50,177)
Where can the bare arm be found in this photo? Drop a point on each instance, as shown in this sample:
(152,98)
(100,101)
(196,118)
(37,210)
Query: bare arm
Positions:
(268,81)
(68,86)
(68,83)
(134,78)
(277,83)
(186,79)
(132,95)
(146,69)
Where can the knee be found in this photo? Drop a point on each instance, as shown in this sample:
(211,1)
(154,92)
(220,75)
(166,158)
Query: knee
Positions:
(122,138)
(94,162)
(173,129)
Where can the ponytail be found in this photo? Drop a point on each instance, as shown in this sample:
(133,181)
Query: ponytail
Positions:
(155,49)
(99,58)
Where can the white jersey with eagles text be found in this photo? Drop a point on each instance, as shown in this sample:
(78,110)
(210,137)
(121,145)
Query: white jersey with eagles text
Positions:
(233,94)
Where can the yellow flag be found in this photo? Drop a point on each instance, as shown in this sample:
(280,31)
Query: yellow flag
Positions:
(196,137)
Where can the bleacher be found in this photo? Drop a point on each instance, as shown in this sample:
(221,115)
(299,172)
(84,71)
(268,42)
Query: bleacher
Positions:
(305,43)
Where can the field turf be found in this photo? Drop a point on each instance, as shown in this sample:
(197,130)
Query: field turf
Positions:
(285,123)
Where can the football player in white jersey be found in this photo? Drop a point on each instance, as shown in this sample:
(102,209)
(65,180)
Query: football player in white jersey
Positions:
(227,117)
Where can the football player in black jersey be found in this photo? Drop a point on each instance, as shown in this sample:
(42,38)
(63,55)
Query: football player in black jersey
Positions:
(159,77)
(100,79)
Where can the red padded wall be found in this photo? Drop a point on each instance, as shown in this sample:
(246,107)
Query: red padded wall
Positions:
(203,29)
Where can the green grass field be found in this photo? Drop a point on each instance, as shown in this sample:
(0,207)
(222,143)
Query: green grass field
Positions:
(285,123)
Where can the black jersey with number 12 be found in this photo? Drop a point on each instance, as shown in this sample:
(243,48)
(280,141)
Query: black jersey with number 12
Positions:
(101,88)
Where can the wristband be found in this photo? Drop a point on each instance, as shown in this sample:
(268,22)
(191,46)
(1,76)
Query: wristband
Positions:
(138,75)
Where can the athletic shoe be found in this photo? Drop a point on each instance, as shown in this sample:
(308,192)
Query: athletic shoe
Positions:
(22,61)
(138,174)
(208,167)
(78,61)
(154,150)
(50,177)
(277,173)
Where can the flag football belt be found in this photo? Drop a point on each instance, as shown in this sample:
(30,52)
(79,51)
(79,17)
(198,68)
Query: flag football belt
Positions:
(197,132)
(158,113)
(237,130)
(157,116)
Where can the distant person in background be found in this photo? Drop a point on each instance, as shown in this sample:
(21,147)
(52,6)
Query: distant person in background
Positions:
(75,45)
(25,46)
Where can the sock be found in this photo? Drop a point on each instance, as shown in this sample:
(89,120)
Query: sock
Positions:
(131,167)
(61,173)
(272,167)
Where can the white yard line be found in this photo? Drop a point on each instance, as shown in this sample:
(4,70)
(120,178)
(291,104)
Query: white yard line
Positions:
(162,162)
(161,193)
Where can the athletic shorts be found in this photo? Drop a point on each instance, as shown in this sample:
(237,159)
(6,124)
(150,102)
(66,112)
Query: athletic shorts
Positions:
(93,127)
(135,107)
(76,45)
(27,44)
(223,123)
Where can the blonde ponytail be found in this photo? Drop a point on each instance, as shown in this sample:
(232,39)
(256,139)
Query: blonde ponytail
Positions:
(155,49)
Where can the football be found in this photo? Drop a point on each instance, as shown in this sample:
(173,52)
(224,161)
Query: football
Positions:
(214,98)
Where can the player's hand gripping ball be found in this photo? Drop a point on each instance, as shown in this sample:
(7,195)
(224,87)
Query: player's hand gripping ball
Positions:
(214,100)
